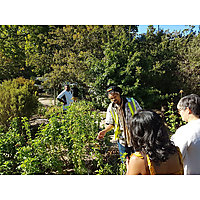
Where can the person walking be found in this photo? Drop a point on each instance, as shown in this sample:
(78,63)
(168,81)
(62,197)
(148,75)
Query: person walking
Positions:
(65,97)
(187,137)
(155,153)
(119,114)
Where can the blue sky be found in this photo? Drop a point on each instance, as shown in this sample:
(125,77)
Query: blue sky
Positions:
(143,28)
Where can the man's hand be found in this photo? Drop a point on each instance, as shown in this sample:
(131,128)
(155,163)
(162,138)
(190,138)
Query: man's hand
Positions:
(101,134)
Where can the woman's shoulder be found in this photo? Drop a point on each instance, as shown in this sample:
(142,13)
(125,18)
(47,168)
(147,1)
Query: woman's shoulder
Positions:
(136,164)
(137,155)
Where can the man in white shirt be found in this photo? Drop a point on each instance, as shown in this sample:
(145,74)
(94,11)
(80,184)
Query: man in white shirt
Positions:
(66,97)
(187,137)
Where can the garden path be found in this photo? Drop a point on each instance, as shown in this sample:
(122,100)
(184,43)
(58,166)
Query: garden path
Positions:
(46,101)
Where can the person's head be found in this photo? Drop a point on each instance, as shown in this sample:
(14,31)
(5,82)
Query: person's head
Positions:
(73,85)
(150,136)
(67,87)
(114,94)
(189,106)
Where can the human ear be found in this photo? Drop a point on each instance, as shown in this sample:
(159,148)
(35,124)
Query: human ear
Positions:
(189,111)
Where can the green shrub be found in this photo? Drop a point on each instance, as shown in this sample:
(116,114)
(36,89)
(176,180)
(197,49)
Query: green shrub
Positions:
(10,143)
(66,145)
(173,119)
(17,99)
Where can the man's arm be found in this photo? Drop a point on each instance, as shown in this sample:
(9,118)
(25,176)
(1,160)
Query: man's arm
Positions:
(61,97)
(110,124)
(102,133)
(61,100)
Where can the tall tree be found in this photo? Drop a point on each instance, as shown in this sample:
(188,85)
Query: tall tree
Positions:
(23,51)
(12,60)
(74,47)
(189,63)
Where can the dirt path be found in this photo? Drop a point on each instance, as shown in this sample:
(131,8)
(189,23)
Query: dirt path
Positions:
(46,101)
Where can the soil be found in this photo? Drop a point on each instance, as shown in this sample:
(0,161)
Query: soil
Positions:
(46,101)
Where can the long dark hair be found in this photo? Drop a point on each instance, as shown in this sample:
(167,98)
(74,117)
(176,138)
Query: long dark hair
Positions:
(150,136)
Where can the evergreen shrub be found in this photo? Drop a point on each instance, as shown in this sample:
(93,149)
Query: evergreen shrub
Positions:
(18,98)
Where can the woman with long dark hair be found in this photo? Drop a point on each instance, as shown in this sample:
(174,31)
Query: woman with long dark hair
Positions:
(154,152)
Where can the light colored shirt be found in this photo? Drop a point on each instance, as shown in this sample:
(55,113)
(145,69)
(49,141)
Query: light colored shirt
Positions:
(187,138)
(110,120)
(68,97)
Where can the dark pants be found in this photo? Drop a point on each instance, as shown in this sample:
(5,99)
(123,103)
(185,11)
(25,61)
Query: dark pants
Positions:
(123,149)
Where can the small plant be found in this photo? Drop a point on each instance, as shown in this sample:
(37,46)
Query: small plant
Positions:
(172,117)
(10,143)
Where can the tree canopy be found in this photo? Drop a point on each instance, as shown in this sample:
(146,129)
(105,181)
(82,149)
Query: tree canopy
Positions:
(148,66)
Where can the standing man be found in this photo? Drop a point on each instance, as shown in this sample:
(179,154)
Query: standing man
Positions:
(187,137)
(65,97)
(119,116)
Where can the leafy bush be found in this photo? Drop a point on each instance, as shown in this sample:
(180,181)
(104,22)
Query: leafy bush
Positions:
(10,144)
(17,99)
(66,145)
(172,117)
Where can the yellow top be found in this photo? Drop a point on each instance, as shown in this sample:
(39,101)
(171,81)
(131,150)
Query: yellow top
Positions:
(152,167)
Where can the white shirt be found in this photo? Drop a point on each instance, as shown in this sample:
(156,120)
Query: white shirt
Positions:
(68,96)
(187,138)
